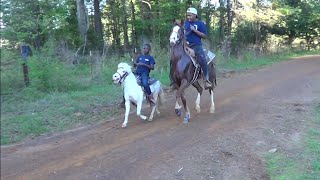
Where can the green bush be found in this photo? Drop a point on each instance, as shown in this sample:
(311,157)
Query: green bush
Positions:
(50,75)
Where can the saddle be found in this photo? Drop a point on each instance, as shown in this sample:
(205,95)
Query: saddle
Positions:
(189,51)
(209,57)
(150,81)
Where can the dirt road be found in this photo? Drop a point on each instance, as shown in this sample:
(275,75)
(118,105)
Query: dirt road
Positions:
(255,111)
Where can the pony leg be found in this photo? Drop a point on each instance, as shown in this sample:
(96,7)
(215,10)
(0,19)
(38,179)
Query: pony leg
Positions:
(212,108)
(155,96)
(139,106)
(152,112)
(157,110)
(125,122)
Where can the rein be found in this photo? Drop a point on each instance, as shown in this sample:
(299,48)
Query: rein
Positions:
(122,78)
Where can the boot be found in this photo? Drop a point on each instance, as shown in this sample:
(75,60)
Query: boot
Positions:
(206,82)
(151,100)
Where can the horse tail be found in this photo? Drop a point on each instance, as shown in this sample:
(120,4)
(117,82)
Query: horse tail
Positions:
(161,96)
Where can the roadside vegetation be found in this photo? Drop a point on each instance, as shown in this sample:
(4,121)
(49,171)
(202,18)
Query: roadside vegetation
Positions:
(61,96)
(305,165)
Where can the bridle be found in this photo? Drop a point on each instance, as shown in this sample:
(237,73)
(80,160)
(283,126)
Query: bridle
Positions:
(122,77)
(178,34)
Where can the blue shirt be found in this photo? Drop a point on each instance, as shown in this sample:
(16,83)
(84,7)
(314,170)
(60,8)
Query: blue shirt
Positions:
(145,59)
(192,37)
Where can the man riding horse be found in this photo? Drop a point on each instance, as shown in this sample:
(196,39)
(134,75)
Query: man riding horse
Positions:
(196,30)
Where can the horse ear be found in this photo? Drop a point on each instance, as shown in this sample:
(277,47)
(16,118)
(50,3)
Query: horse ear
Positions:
(182,22)
(174,21)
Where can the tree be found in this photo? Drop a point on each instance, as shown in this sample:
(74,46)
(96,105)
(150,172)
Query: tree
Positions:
(98,25)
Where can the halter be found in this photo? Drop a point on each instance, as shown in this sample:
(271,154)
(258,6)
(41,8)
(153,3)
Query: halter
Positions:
(123,77)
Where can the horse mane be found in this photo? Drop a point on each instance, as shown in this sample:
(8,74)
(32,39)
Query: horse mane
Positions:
(125,66)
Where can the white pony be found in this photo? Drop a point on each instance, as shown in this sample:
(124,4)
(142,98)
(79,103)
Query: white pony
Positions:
(134,93)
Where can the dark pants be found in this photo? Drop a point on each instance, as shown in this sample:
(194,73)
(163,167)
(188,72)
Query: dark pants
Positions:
(201,58)
(144,81)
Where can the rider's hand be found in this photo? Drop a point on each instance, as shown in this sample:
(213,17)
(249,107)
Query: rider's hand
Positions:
(192,28)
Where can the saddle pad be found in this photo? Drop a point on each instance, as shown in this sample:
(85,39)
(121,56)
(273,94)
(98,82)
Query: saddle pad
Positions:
(150,82)
(210,58)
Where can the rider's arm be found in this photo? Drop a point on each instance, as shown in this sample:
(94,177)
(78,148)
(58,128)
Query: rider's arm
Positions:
(201,31)
(202,35)
(151,66)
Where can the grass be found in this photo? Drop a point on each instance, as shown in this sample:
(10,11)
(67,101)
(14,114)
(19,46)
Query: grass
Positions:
(64,97)
(250,62)
(304,166)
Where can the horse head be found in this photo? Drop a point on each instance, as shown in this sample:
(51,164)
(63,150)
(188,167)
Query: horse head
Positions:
(177,33)
(123,70)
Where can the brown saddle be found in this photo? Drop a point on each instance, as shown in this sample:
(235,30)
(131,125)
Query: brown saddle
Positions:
(189,51)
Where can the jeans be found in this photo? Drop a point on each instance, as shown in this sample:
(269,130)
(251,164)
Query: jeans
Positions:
(144,81)
(201,58)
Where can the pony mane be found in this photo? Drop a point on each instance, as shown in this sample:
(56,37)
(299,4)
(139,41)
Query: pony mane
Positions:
(125,66)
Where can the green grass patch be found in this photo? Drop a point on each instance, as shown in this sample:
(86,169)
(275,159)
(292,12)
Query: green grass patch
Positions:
(250,62)
(305,165)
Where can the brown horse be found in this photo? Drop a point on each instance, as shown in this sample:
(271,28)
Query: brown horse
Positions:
(184,71)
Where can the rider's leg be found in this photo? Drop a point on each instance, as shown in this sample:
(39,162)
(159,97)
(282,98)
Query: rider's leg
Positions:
(201,57)
(145,84)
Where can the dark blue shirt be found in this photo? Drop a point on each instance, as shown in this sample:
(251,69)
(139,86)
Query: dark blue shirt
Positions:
(192,37)
(145,59)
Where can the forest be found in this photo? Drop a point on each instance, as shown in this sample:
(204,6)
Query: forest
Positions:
(116,26)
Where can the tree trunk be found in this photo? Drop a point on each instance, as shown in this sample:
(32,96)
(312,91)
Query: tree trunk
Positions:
(230,17)
(134,33)
(82,15)
(98,25)
(125,26)
(221,23)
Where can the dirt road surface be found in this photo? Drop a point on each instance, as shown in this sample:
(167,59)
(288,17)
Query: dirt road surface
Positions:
(255,111)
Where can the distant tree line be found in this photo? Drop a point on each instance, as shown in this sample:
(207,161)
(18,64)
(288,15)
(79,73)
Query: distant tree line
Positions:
(116,26)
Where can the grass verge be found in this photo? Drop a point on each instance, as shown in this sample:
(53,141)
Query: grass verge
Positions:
(305,165)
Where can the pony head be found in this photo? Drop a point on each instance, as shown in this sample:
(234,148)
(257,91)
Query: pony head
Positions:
(123,70)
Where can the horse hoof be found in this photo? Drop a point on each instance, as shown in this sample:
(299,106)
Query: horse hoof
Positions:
(212,110)
(150,119)
(186,119)
(198,109)
(178,112)
(143,117)
(124,125)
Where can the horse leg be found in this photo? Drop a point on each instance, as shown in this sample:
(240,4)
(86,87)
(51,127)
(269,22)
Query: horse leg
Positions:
(177,107)
(212,77)
(199,89)
(181,93)
(186,118)
(139,106)
(212,107)
(125,122)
